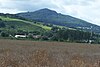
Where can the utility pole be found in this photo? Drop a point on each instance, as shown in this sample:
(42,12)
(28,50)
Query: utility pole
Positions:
(90,40)
(91,32)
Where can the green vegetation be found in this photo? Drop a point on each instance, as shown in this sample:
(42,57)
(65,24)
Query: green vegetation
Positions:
(14,25)
(52,17)
(44,27)
(3,18)
(11,26)
(8,19)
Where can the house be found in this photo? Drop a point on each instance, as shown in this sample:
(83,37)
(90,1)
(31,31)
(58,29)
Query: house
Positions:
(36,36)
(20,36)
(91,41)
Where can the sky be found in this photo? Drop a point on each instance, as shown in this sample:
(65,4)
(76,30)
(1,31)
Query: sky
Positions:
(88,10)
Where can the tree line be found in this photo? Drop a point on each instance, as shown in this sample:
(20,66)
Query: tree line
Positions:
(55,34)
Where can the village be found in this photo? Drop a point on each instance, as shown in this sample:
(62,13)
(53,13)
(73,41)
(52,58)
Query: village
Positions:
(38,37)
(26,36)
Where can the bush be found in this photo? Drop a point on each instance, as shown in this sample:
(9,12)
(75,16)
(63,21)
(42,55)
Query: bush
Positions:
(4,34)
(2,24)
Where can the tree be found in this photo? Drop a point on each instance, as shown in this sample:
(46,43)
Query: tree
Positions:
(2,24)
(55,28)
(35,22)
(4,34)
(13,27)
(0,19)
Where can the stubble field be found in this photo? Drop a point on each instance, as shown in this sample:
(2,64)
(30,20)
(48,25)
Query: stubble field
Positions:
(22,53)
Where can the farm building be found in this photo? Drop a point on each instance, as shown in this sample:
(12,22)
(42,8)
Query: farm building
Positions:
(20,36)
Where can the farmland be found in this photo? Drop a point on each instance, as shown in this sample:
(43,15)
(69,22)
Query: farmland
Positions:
(23,53)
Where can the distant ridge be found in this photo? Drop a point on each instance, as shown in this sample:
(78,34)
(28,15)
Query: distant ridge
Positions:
(50,16)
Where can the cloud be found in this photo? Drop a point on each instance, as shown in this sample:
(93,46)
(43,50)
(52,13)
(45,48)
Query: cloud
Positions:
(13,11)
(84,9)
(26,5)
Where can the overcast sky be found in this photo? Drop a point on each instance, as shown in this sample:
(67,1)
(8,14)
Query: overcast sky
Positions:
(88,10)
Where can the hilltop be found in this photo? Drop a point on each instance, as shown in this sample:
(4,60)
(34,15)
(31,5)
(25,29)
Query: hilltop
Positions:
(50,16)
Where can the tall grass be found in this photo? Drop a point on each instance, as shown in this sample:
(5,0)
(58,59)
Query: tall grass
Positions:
(42,58)
(15,53)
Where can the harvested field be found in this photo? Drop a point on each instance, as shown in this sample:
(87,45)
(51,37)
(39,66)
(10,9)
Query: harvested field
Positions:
(19,53)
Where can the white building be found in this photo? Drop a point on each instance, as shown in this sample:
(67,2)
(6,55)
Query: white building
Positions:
(20,36)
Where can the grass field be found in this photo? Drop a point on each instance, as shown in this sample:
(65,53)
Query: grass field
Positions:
(20,53)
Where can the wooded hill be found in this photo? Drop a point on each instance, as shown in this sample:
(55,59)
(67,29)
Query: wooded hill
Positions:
(13,24)
(50,16)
